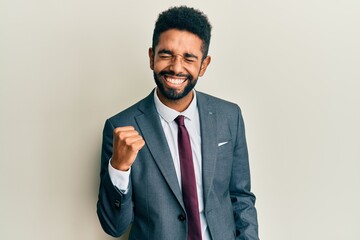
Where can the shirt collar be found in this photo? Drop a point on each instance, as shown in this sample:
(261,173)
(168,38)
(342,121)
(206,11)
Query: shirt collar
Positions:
(169,114)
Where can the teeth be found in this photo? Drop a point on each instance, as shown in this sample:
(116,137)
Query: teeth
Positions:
(175,80)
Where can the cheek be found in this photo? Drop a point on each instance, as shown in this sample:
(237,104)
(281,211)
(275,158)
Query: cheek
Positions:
(159,66)
(194,71)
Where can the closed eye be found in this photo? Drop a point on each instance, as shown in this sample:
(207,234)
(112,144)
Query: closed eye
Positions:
(190,59)
(165,56)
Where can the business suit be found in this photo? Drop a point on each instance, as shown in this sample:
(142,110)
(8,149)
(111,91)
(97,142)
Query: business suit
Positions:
(154,202)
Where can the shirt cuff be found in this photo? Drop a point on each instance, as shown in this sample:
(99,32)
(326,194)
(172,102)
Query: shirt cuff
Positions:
(120,179)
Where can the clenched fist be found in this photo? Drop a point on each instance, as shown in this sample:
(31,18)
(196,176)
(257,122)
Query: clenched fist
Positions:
(126,145)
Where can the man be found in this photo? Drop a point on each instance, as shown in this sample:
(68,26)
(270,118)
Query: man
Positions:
(175,165)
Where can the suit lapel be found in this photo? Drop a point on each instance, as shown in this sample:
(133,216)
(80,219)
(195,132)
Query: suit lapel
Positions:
(208,141)
(151,129)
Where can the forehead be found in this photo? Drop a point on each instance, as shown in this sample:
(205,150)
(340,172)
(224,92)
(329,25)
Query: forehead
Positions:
(179,42)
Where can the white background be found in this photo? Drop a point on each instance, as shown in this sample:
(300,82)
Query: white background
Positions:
(292,66)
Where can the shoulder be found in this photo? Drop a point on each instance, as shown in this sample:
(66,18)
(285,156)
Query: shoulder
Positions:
(219,104)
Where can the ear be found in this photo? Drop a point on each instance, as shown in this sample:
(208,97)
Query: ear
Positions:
(205,63)
(151,58)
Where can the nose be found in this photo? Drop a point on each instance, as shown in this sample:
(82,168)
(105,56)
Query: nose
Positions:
(176,64)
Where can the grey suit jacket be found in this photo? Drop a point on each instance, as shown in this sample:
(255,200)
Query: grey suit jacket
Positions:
(154,203)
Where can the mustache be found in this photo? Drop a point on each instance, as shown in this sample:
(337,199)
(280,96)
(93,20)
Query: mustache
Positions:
(172,73)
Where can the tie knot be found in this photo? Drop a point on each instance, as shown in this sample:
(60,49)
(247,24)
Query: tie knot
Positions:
(180,120)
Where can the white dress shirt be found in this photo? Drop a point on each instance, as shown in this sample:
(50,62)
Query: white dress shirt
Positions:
(120,179)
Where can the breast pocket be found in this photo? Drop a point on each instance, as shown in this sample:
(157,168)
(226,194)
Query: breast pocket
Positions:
(225,148)
(224,156)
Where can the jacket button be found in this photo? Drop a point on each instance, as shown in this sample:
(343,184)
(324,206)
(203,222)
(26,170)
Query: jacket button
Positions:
(117,203)
(181,217)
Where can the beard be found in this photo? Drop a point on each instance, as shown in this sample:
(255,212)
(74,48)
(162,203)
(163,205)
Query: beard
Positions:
(173,94)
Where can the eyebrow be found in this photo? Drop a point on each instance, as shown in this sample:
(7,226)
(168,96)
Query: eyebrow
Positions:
(166,51)
(189,55)
(186,55)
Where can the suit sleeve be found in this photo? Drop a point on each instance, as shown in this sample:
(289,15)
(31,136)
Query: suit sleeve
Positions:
(243,200)
(114,209)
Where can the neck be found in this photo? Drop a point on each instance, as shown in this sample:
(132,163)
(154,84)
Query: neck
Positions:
(179,105)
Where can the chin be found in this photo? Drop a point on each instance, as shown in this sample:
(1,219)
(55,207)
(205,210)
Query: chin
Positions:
(173,94)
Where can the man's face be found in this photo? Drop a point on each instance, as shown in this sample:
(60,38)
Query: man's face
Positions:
(177,63)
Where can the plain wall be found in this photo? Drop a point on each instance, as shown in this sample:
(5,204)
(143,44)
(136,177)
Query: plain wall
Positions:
(292,66)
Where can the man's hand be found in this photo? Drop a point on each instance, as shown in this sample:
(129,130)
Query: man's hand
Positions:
(126,145)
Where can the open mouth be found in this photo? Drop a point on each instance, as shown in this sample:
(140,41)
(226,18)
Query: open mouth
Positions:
(175,80)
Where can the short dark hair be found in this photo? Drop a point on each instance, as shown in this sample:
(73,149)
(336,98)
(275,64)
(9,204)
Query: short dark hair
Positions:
(187,19)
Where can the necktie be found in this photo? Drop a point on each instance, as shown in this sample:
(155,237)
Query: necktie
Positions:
(188,181)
